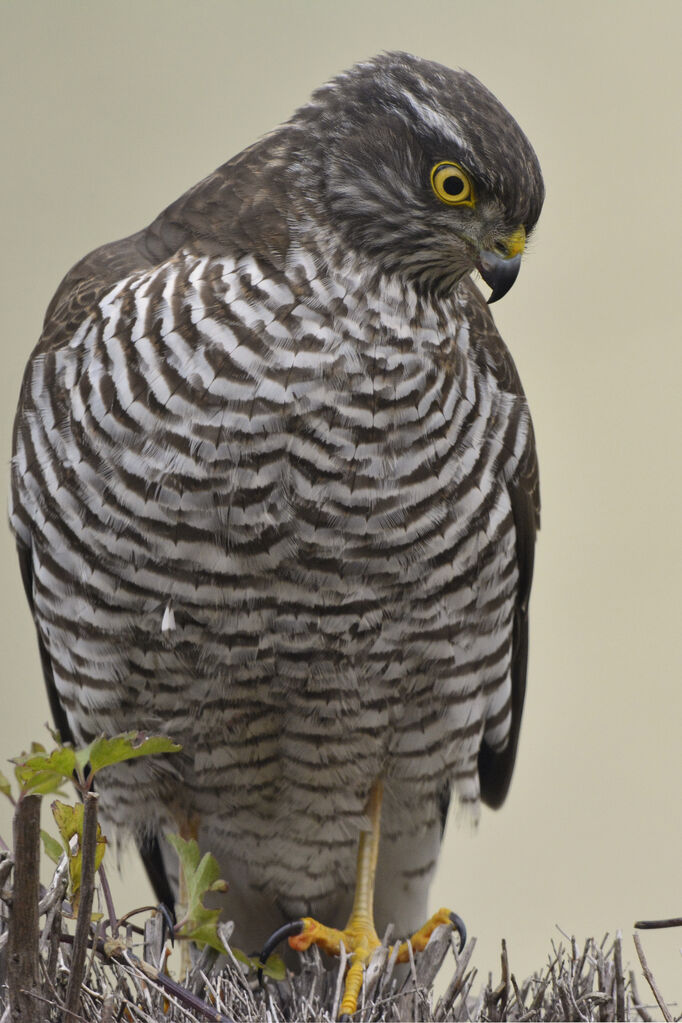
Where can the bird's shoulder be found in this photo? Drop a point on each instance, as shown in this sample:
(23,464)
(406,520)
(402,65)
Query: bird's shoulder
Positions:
(237,210)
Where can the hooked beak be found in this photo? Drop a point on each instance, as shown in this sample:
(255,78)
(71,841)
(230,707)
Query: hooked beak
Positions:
(500,269)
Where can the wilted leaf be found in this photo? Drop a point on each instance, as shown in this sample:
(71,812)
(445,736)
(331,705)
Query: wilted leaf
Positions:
(69,820)
(114,947)
(105,752)
(51,846)
(202,875)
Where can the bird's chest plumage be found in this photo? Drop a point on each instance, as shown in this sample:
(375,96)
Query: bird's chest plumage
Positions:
(284,504)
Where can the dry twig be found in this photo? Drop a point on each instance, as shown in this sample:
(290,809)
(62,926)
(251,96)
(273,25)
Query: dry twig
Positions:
(651,981)
(586,983)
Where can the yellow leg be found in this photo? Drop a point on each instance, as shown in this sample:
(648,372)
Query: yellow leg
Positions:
(359,936)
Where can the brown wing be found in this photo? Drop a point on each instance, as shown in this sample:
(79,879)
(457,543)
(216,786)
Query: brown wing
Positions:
(495,768)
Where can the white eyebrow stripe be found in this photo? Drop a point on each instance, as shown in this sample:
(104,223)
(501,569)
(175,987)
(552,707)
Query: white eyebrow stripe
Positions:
(434,119)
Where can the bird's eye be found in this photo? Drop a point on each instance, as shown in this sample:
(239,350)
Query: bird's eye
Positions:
(452,184)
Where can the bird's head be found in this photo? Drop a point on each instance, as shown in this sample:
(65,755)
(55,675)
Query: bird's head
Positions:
(421,170)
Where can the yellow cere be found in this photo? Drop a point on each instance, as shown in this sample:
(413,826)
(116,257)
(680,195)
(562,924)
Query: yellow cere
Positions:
(452,184)
(516,242)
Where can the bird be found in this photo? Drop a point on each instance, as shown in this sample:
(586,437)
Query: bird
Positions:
(274,489)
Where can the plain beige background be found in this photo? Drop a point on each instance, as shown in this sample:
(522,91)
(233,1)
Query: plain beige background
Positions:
(111,110)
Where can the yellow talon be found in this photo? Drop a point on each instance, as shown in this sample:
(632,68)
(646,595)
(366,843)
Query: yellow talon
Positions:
(359,936)
(420,938)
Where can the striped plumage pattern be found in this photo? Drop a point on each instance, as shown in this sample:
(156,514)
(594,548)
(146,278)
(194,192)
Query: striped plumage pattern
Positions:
(275,495)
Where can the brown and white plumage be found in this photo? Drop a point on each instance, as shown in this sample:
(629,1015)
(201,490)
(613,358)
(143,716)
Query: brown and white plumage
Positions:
(275,494)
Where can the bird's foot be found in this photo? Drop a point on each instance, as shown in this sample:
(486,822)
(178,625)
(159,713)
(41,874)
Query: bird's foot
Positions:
(359,938)
(420,938)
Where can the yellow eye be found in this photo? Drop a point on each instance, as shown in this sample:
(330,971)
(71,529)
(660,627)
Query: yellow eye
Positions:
(452,184)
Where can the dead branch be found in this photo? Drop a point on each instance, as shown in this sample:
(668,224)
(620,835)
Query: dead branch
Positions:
(23,948)
(667,1015)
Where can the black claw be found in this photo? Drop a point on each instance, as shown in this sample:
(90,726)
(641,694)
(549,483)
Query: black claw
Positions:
(285,931)
(168,918)
(458,924)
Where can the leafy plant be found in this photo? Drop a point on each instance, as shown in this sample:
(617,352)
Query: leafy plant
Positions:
(201,875)
(69,820)
(42,772)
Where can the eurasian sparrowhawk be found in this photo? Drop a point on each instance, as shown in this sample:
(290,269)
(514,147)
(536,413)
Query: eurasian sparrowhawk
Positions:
(275,493)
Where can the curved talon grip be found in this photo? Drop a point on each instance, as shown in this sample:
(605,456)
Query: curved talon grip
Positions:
(285,931)
(459,926)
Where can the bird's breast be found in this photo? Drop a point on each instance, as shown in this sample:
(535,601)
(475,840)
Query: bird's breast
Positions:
(273,526)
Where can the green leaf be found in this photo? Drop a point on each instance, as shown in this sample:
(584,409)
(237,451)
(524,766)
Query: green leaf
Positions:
(43,784)
(201,875)
(273,967)
(105,752)
(51,846)
(82,758)
(41,772)
(54,734)
(6,787)
(69,820)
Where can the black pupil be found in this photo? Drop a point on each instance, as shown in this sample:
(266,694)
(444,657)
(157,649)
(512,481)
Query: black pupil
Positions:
(453,185)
